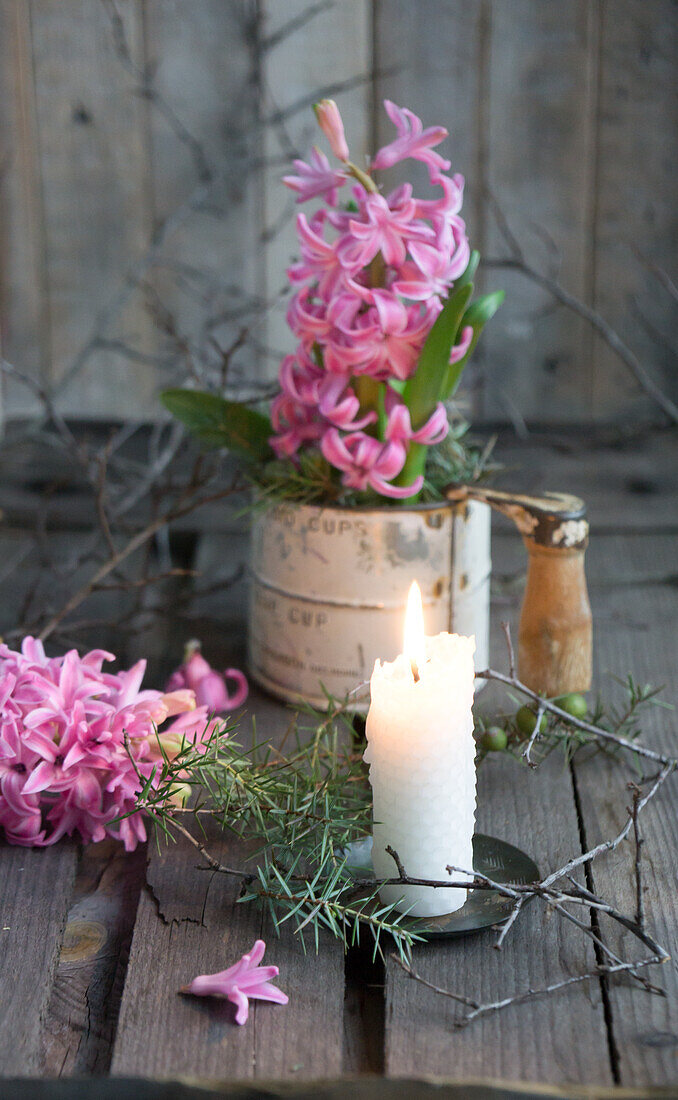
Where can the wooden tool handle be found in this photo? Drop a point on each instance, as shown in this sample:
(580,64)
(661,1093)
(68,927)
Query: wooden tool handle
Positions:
(555,634)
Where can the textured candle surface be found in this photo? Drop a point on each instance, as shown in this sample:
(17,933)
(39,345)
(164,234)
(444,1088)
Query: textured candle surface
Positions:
(421,754)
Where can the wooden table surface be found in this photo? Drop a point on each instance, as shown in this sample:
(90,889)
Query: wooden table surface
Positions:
(95,943)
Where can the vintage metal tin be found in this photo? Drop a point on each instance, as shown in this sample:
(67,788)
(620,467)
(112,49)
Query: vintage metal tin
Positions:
(329,587)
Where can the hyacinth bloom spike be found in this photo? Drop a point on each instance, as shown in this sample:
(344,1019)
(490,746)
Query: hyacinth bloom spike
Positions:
(371,280)
(241,983)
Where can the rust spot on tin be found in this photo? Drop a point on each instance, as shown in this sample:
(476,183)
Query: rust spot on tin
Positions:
(83,939)
(463,581)
(467,511)
(438,588)
(434,519)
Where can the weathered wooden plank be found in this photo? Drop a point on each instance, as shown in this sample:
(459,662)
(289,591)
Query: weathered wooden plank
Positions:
(541,100)
(329,50)
(189,922)
(558,1039)
(625,483)
(440,81)
(637,164)
(35,893)
(83,1009)
(616,477)
(204,127)
(93,160)
(635,630)
(365,1088)
(21,231)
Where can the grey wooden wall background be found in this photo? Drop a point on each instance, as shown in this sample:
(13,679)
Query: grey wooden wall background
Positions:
(143,221)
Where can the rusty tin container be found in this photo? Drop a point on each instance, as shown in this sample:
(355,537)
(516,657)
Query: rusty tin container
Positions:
(329,588)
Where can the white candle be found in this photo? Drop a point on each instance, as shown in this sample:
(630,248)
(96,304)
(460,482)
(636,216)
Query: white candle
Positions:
(421,754)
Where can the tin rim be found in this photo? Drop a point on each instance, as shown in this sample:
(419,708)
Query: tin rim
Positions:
(384,510)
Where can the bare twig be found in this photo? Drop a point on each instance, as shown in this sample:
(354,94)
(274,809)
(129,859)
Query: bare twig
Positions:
(212,863)
(597,733)
(516,262)
(135,543)
(534,736)
(477,1010)
(640,904)
(509,645)
(295,24)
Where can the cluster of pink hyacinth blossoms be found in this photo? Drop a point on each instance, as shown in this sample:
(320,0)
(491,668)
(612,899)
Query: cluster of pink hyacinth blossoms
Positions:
(76,744)
(370,283)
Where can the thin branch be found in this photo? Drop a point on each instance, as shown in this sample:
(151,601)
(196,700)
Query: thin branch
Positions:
(477,1010)
(516,262)
(610,845)
(534,737)
(509,645)
(135,543)
(640,902)
(213,864)
(597,732)
(294,24)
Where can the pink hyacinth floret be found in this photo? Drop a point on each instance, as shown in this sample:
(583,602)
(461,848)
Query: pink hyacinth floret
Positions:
(77,743)
(371,279)
(315,179)
(244,982)
(368,463)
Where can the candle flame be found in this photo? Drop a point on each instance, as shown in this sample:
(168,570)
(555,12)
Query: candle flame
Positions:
(415,639)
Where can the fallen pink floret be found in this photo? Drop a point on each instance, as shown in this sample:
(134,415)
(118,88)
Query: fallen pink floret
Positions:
(208,687)
(243,982)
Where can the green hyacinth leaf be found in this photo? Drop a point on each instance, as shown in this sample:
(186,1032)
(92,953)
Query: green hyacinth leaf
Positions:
(477,315)
(425,388)
(217,422)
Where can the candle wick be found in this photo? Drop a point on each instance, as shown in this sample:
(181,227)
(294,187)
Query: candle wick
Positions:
(415,670)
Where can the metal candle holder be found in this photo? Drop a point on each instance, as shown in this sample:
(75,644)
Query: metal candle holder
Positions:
(498,860)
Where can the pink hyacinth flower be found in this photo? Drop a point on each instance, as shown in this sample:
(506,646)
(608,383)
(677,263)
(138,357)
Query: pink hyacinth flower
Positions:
(367,463)
(208,686)
(447,206)
(294,425)
(459,350)
(435,265)
(339,404)
(244,982)
(307,318)
(384,229)
(315,179)
(319,262)
(304,382)
(330,122)
(399,335)
(399,424)
(412,141)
